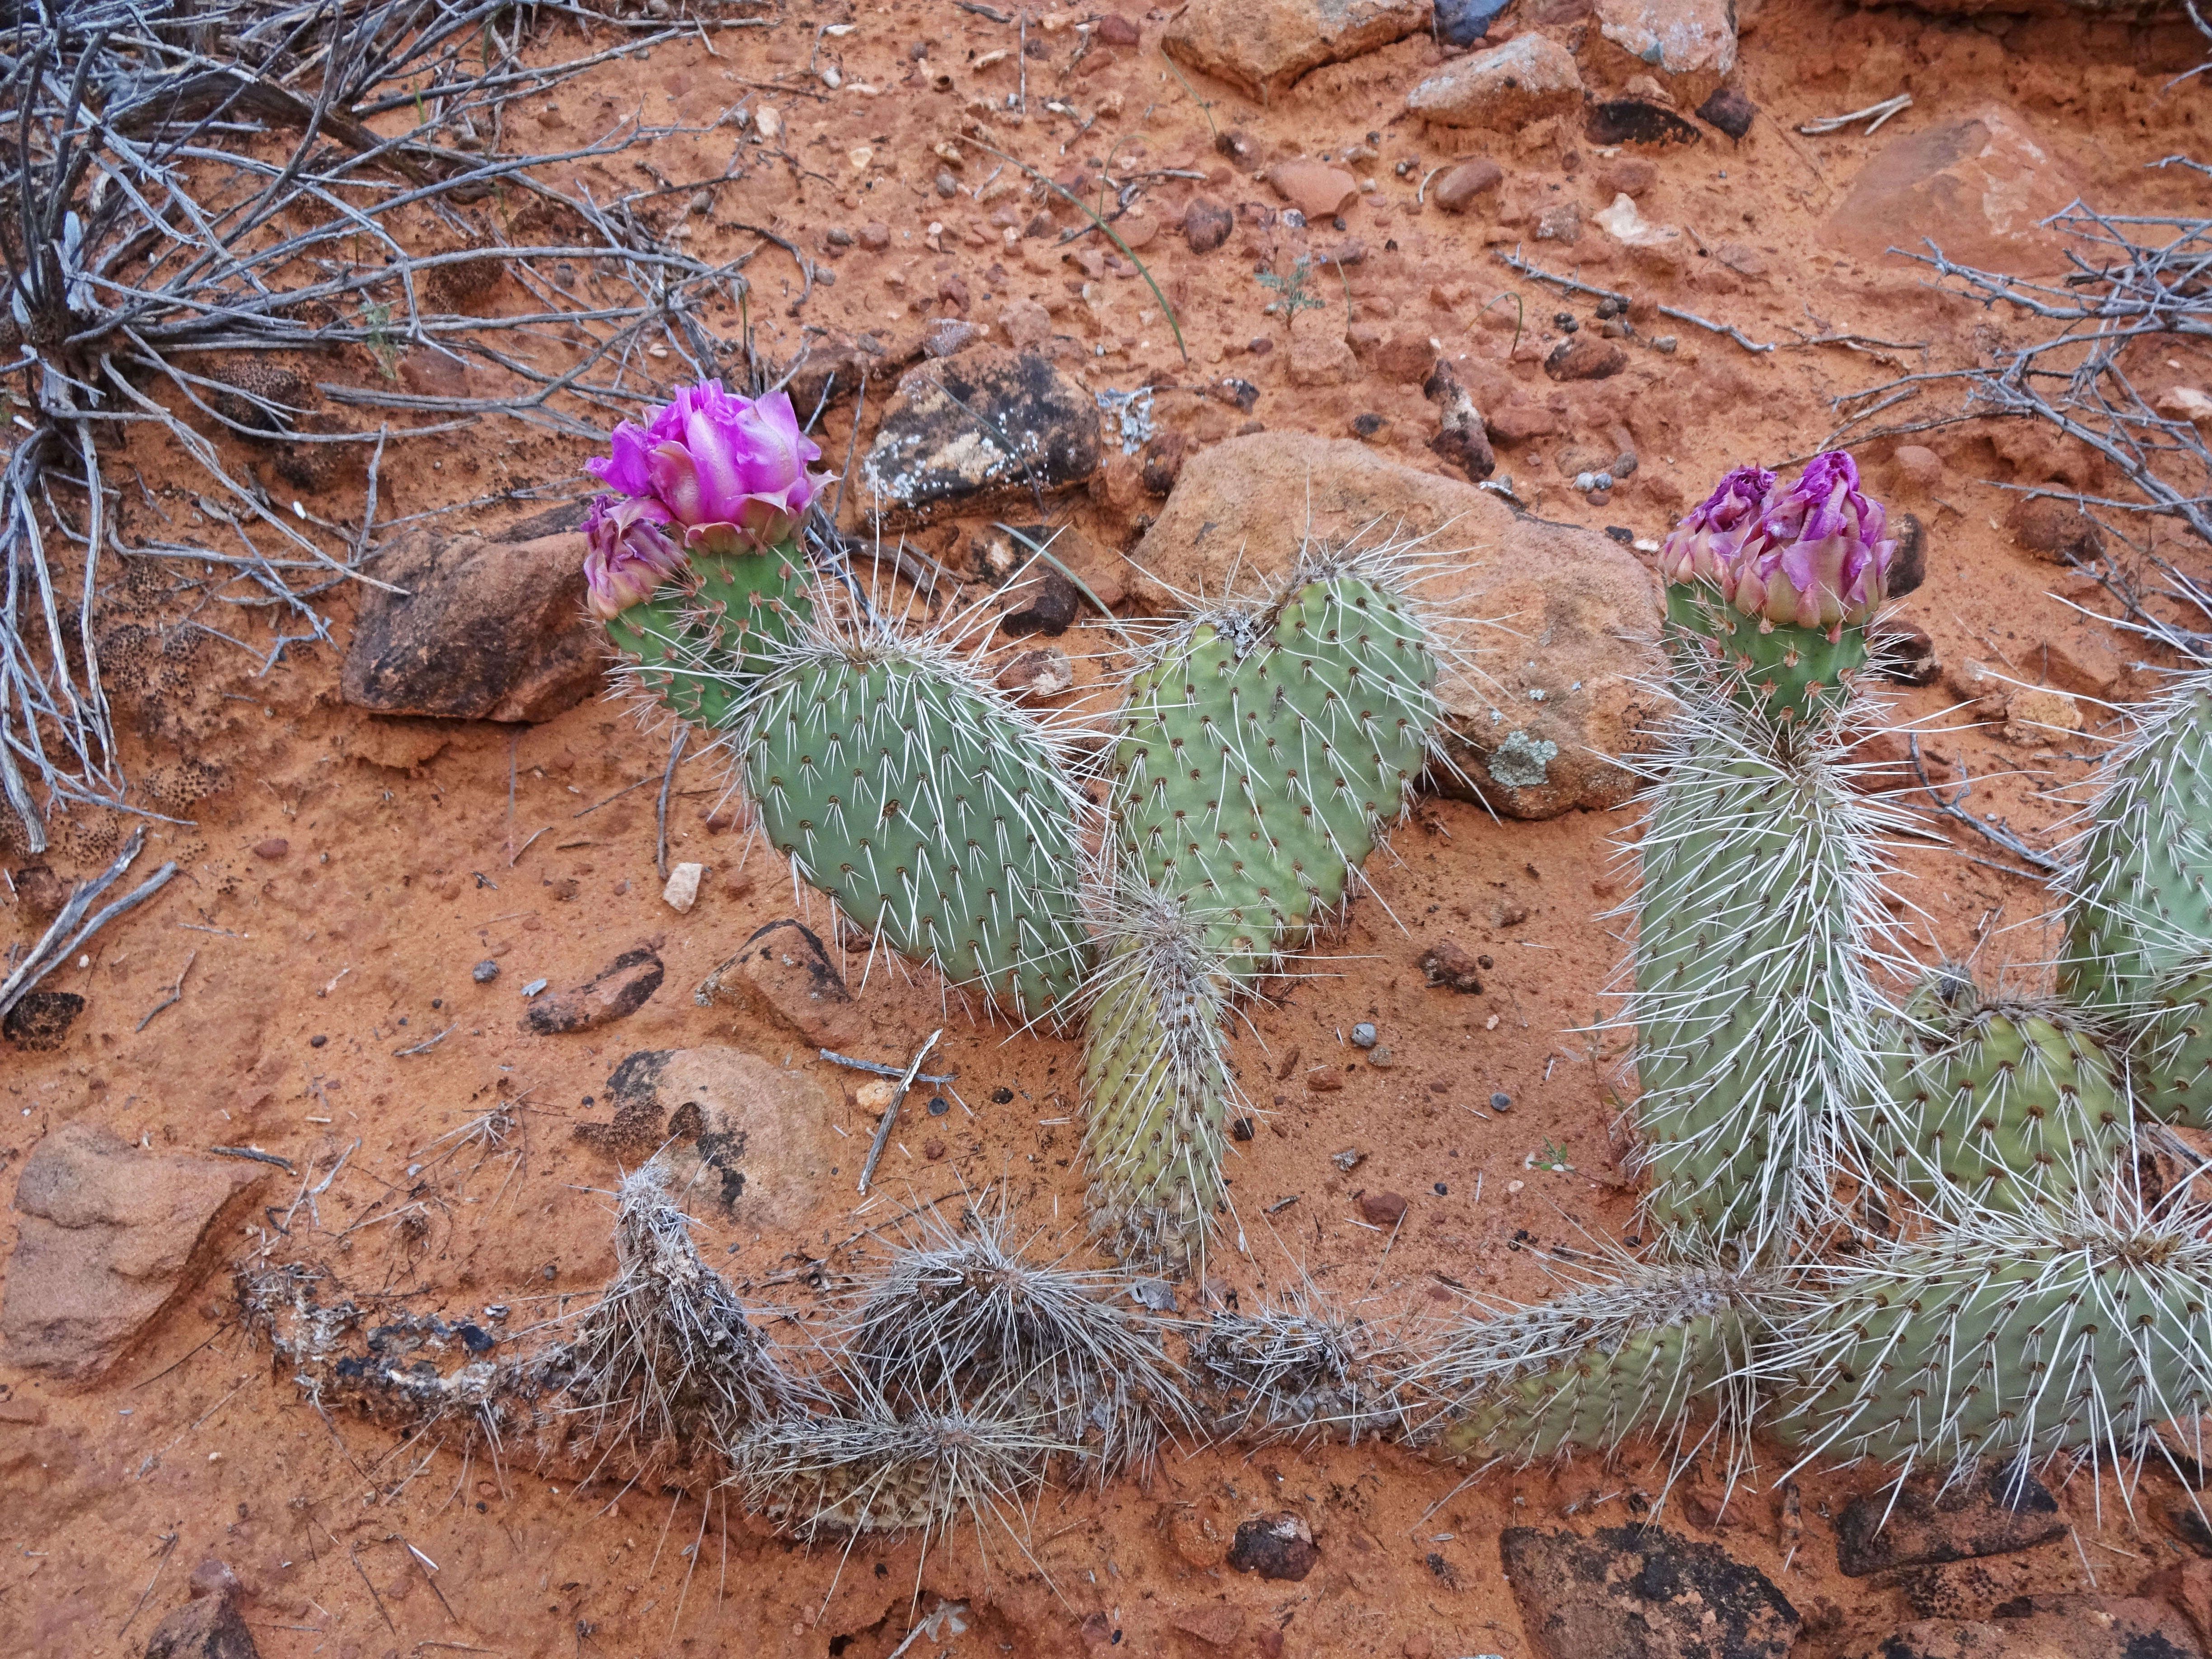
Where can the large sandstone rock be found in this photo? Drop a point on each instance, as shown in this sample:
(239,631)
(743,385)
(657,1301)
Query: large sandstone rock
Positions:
(1573,619)
(1978,189)
(732,1134)
(988,428)
(1688,46)
(1262,47)
(485,630)
(1529,77)
(108,1238)
(1642,1593)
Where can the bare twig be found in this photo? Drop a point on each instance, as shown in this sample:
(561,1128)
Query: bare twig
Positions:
(176,992)
(892,1111)
(1950,808)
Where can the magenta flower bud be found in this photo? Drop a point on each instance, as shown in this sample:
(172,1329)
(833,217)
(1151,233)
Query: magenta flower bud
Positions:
(626,555)
(1819,557)
(714,459)
(1702,547)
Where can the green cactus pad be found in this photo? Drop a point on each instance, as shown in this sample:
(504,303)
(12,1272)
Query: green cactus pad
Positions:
(1156,1078)
(2001,1104)
(1750,1005)
(2025,1336)
(2138,950)
(1648,1356)
(700,644)
(939,814)
(1261,755)
(1784,673)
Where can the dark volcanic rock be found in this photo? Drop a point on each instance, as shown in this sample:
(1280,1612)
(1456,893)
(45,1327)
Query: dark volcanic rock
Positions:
(1278,1546)
(989,425)
(619,989)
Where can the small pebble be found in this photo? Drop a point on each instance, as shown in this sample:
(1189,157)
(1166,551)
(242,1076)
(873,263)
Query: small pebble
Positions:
(1441,1190)
(1501,1101)
(947,185)
(1664,345)
(1000,1096)
(840,237)
(1241,1129)
(1363,1034)
(535,986)
(938,1105)
(1380,1057)
(1515,1186)
(316,1040)
(1565,322)
(1625,463)
(484,972)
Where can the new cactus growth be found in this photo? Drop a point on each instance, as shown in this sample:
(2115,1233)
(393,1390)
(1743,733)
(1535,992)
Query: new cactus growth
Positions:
(1760,868)
(1261,750)
(2076,1328)
(1656,1351)
(1996,1103)
(2138,950)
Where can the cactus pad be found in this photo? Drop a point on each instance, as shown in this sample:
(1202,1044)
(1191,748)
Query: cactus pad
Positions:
(1998,1102)
(1653,1354)
(939,815)
(1758,900)
(2139,937)
(2050,1331)
(1262,753)
(700,644)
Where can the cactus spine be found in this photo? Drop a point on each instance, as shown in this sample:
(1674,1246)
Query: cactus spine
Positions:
(2138,950)
(1261,750)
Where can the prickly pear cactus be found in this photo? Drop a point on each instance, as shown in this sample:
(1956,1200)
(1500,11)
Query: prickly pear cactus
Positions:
(1658,1352)
(2054,1329)
(1996,1103)
(2139,935)
(1260,753)
(939,814)
(1761,865)
(1754,1018)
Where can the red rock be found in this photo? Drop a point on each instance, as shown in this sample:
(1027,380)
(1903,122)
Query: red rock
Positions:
(2054,531)
(1503,88)
(1459,190)
(482,630)
(783,975)
(1626,175)
(616,991)
(272,848)
(1687,46)
(1214,1626)
(1206,224)
(1980,188)
(1319,192)
(1920,467)
(108,1238)
(1382,1209)
(1115,30)
(1446,964)
(875,236)
(1262,47)
(1519,421)
(1585,357)
(1025,325)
